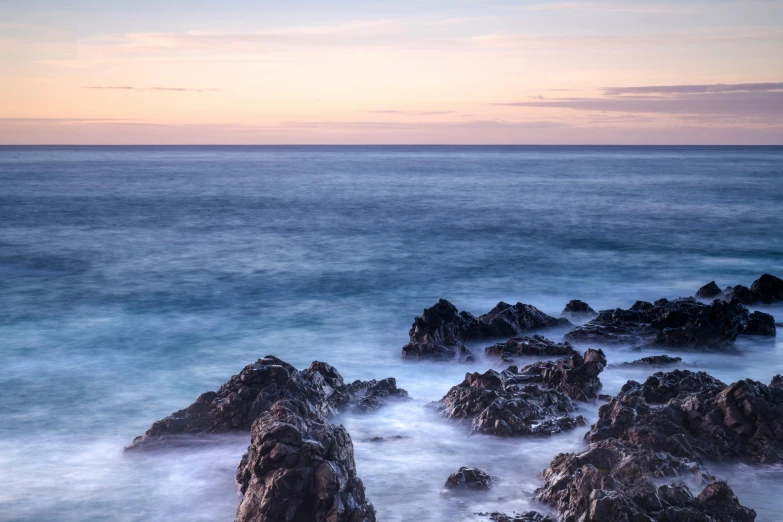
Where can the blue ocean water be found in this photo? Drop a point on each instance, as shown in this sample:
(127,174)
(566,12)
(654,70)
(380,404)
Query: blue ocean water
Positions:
(134,278)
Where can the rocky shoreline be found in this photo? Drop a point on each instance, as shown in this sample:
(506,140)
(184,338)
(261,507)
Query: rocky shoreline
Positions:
(651,445)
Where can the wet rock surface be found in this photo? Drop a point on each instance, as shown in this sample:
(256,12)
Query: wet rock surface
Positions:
(534,400)
(614,482)
(536,345)
(241,400)
(469,478)
(300,468)
(709,291)
(578,310)
(655,360)
(760,323)
(695,416)
(528,516)
(767,289)
(441,332)
(682,323)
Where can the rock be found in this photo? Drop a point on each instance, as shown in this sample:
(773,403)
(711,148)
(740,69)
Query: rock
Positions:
(469,478)
(709,291)
(768,288)
(614,482)
(299,468)
(683,323)
(241,400)
(742,294)
(522,346)
(529,516)
(578,310)
(441,332)
(535,400)
(760,323)
(654,360)
(697,417)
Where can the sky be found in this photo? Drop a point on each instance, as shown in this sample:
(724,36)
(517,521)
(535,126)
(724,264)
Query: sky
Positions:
(391,72)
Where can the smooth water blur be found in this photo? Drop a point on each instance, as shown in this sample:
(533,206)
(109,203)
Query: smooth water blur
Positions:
(133,279)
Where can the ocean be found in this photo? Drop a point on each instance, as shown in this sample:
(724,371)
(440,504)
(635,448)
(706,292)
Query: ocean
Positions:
(134,278)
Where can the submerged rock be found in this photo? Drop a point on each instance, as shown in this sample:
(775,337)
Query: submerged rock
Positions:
(760,323)
(469,478)
(300,468)
(578,310)
(239,402)
(536,400)
(654,360)
(441,331)
(528,516)
(613,482)
(535,345)
(709,291)
(695,416)
(683,323)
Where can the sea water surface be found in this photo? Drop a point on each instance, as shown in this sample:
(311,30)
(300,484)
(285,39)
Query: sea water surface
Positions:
(133,279)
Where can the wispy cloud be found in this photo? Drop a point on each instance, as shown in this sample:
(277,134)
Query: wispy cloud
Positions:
(695,89)
(148,89)
(409,113)
(607,6)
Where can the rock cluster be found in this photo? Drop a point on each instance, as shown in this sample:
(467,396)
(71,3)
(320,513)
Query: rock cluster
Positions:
(767,289)
(300,468)
(682,323)
(534,400)
(613,482)
(241,400)
(578,310)
(695,416)
(536,345)
(469,478)
(442,331)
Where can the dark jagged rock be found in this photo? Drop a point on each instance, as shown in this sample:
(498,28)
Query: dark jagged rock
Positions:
(441,331)
(760,323)
(521,346)
(709,291)
(740,293)
(768,288)
(528,516)
(614,482)
(241,400)
(683,323)
(695,416)
(654,360)
(299,468)
(469,478)
(534,400)
(578,310)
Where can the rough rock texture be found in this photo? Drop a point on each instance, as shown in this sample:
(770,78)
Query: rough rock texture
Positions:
(535,400)
(528,516)
(695,416)
(241,400)
(709,291)
(578,310)
(654,360)
(760,323)
(768,288)
(740,293)
(614,482)
(299,468)
(522,346)
(441,331)
(469,478)
(683,323)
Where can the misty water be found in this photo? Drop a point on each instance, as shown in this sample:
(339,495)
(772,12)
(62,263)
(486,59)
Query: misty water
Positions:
(133,279)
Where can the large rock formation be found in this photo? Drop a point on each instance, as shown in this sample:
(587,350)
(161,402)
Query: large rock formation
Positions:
(614,482)
(768,288)
(299,468)
(536,345)
(683,323)
(695,416)
(241,400)
(441,331)
(536,400)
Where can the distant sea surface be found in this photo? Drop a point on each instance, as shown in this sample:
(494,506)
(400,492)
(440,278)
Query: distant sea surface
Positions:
(134,278)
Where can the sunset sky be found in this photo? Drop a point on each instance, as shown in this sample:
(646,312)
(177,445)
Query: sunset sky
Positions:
(407,71)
